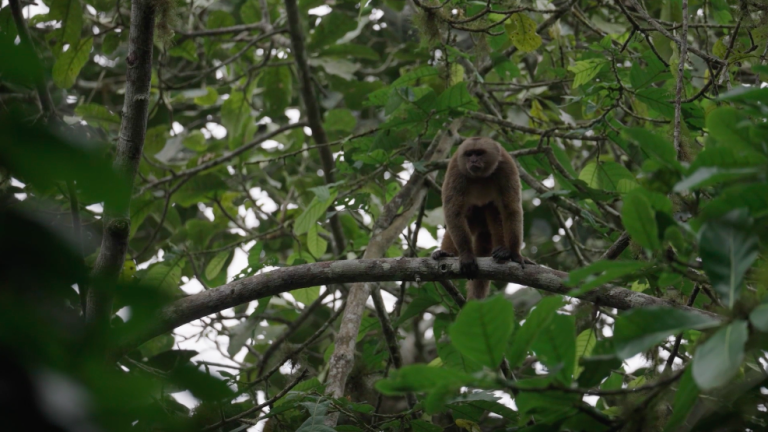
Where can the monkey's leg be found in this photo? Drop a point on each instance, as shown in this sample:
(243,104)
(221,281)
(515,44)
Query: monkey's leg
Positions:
(512,222)
(478,289)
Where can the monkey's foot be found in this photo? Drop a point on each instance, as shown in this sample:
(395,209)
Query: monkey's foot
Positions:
(468,267)
(502,253)
(437,254)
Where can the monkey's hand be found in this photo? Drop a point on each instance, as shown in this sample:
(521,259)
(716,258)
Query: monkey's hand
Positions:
(468,266)
(502,253)
(437,254)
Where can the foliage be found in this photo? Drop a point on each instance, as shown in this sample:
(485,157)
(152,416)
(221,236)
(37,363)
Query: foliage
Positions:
(231,184)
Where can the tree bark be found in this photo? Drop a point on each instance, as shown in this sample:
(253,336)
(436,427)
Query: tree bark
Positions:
(361,271)
(116,219)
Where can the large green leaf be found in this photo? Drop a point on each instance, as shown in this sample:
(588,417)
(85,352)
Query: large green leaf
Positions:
(640,221)
(555,347)
(657,99)
(718,360)
(312,214)
(98,115)
(482,328)
(607,176)
(654,145)
(306,295)
(419,378)
(70,13)
(216,264)
(729,126)
(728,247)
(708,176)
(537,319)
(278,87)
(68,65)
(685,397)
(522,32)
(164,277)
(585,70)
(639,329)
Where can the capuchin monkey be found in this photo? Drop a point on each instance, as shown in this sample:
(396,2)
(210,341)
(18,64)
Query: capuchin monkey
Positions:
(483,210)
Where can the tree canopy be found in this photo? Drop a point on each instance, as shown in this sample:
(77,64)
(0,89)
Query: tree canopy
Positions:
(237,200)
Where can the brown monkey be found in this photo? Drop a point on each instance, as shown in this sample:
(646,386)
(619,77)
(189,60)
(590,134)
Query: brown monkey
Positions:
(483,209)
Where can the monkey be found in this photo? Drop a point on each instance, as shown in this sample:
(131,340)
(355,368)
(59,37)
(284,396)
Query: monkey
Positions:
(483,210)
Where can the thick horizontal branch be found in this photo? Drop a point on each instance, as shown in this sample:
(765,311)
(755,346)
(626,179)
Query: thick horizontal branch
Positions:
(372,270)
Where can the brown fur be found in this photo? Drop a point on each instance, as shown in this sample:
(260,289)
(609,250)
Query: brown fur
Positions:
(483,209)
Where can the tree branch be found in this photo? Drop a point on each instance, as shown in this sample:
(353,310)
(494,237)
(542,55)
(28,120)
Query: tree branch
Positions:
(360,271)
(314,116)
(116,219)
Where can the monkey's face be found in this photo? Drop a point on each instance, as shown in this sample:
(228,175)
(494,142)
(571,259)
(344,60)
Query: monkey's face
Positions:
(478,157)
(479,162)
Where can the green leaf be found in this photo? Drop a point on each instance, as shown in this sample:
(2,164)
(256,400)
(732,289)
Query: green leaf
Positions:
(340,120)
(68,65)
(639,329)
(417,378)
(332,27)
(456,97)
(654,146)
(187,50)
(482,329)
(585,343)
(250,12)
(315,244)
(729,126)
(416,74)
(164,277)
(657,99)
(277,84)
(606,176)
(155,140)
(97,115)
(209,99)
(195,141)
(555,347)
(70,12)
(750,94)
(216,264)
(306,295)
(537,319)
(685,397)
(235,114)
(522,32)
(202,187)
(708,176)
(110,43)
(728,247)
(219,19)
(585,70)
(640,221)
(600,273)
(312,214)
(157,345)
(759,317)
(419,304)
(717,360)
(454,359)
(641,77)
